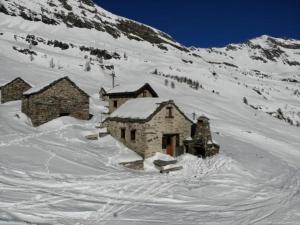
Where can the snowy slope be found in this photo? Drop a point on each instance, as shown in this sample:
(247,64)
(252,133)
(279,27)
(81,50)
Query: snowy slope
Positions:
(53,175)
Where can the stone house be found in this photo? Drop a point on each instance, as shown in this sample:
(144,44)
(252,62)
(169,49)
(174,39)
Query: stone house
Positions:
(14,90)
(157,126)
(61,97)
(119,95)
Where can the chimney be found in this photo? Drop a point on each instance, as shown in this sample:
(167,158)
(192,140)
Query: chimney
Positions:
(203,129)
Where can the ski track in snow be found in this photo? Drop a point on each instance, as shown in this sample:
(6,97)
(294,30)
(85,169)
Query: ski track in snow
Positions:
(53,175)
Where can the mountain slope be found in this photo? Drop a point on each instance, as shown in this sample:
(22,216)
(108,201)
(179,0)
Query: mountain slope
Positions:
(52,175)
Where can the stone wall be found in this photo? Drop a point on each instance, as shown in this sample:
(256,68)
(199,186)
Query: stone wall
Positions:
(139,145)
(121,101)
(14,90)
(59,99)
(160,125)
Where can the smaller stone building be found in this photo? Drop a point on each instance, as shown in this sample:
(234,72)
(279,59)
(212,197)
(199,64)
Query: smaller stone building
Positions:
(119,95)
(61,97)
(201,143)
(150,125)
(14,90)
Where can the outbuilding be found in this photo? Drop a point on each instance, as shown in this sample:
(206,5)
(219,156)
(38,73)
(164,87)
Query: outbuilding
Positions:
(119,95)
(61,97)
(14,90)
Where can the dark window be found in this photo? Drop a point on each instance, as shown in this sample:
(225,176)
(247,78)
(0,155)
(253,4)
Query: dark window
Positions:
(132,135)
(123,133)
(169,112)
(115,104)
(64,114)
(144,93)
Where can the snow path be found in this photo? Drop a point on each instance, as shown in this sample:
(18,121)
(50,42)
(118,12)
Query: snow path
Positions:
(53,175)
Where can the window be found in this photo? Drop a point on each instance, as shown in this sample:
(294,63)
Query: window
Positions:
(132,135)
(115,103)
(123,133)
(144,93)
(169,112)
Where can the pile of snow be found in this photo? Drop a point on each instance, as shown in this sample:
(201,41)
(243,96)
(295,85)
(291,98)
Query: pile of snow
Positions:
(148,163)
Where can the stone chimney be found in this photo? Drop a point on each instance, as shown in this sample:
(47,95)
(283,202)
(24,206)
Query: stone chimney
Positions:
(203,130)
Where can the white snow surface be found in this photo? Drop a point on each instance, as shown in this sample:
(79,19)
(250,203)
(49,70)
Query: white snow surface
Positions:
(140,108)
(53,175)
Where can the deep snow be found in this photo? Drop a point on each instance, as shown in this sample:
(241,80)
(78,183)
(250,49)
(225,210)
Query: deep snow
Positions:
(53,175)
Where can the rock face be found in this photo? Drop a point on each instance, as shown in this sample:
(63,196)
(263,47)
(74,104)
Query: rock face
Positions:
(60,98)
(86,14)
(14,90)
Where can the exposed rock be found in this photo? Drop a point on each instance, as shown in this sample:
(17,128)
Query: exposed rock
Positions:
(92,137)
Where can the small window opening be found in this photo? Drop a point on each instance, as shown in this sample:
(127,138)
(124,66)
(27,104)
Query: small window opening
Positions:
(64,114)
(169,112)
(115,104)
(133,135)
(123,133)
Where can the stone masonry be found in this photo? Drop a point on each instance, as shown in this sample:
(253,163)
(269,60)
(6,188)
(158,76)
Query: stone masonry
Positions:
(14,90)
(149,133)
(60,98)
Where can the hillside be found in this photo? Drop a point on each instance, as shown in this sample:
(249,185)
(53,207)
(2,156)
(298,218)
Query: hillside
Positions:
(53,175)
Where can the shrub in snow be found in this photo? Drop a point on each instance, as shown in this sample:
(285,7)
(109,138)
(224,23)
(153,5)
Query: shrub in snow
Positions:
(245,100)
(31,57)
(87,66)
(51,64)
(172,84)
(125,56)
(166,82)
(101,60)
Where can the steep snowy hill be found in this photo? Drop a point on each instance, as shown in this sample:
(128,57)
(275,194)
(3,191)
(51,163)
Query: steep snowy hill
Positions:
(52,175)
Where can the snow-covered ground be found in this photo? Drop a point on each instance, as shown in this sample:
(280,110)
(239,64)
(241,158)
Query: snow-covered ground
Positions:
(53,175)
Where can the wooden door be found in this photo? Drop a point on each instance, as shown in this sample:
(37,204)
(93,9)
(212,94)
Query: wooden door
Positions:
(169,145)
(170,149)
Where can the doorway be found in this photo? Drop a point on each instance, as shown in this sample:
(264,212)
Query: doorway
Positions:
(169,143)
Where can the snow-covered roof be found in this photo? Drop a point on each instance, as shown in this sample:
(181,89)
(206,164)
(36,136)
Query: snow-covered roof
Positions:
(125,88)
(139,108)
(45,85)
(130,88)
(7,82)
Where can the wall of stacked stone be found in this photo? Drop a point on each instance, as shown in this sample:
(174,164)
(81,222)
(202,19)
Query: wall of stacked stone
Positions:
(61,98)
(139,145)
(160,125)
(13,91)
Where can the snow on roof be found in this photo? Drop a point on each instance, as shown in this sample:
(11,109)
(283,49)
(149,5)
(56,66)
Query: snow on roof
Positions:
(44,85)
(7,82)
(125,88)
(39,87)
(139,108)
